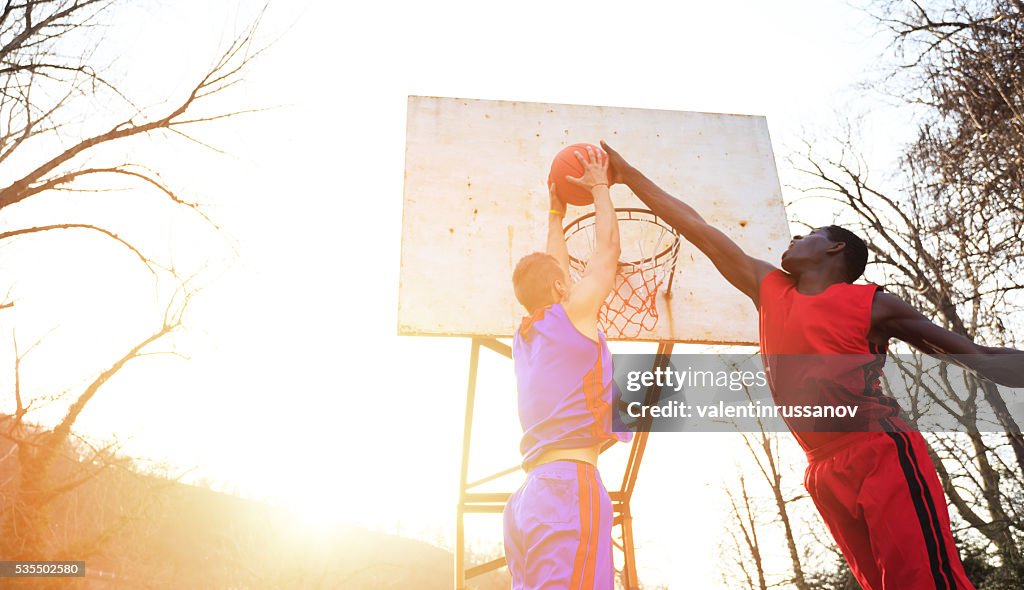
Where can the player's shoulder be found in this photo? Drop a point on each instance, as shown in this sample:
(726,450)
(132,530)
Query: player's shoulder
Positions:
(557,312)
(886,306)
(542,316)
(883,298)
(763,268)
(864,294)
(770,277)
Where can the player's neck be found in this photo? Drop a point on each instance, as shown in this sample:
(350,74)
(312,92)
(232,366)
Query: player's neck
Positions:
(814,281)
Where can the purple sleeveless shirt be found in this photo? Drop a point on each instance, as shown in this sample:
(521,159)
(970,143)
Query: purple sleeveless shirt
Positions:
(565,385)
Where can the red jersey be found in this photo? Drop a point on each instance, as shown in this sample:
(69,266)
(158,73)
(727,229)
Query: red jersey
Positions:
(816,352)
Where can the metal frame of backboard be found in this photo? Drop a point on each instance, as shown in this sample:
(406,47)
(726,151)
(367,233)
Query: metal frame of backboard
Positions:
(474,189)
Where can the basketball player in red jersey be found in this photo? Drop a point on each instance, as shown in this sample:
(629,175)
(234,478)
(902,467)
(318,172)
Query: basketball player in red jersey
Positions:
(876,488)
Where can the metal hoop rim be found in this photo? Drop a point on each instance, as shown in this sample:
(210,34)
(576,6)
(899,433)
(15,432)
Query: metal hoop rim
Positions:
(671,250)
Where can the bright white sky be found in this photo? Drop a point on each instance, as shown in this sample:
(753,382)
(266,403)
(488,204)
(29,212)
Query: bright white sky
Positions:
(293,348)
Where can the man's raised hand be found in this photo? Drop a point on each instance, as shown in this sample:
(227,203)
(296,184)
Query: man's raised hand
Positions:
(595,169)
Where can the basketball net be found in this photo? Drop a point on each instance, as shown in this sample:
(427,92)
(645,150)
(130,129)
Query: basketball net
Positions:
(650,249)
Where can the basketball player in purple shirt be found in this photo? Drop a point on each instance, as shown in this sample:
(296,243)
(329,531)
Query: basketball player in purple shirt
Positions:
(558,524)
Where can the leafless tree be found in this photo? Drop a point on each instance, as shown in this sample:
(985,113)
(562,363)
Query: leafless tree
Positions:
(25,525)
(764,449)
(746,549)
(961,61)
(45,83)
(49,80)
(774,509)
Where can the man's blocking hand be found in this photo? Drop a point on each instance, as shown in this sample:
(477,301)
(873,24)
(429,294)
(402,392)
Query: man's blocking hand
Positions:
(617,165)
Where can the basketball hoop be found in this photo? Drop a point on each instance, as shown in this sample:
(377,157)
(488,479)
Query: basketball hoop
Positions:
(650,249)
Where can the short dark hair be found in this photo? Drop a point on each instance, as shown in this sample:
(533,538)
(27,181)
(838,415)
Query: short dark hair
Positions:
(855,253)
(532,280)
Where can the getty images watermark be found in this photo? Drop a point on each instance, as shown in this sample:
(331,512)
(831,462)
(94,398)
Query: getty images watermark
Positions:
(823,393)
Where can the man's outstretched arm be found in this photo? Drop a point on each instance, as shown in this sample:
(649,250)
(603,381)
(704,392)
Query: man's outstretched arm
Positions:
(741,270)
(891,317)
(598,278)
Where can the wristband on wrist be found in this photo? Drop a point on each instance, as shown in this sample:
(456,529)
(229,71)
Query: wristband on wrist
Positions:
(604,184)
(557,212)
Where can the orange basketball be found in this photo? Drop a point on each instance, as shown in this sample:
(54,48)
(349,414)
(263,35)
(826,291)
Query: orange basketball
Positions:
(566,164)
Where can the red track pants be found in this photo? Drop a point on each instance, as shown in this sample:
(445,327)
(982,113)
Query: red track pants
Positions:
(881,499)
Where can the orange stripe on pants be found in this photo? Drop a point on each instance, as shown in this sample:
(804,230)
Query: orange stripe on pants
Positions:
(582,550)
(595,525)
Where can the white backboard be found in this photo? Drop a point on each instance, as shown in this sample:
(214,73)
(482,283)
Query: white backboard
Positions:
(476,202)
